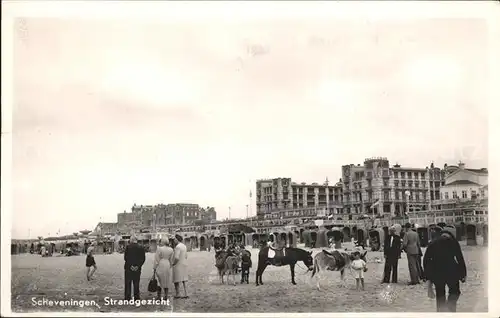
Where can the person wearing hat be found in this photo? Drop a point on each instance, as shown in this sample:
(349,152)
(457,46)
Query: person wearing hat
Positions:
(411,245)
(134,256)
(180,266)
(392,253)
(444,265)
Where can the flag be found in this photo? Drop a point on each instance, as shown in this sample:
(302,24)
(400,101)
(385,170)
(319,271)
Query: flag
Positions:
(377,202)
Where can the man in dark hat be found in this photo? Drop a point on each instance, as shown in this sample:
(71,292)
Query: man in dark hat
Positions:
(444,265)
(411,245)
(134,256)
(392,253)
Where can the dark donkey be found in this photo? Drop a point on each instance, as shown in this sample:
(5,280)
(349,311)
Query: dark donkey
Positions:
(280,257)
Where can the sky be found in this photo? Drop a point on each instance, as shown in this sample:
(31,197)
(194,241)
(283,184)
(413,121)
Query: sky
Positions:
(115,112)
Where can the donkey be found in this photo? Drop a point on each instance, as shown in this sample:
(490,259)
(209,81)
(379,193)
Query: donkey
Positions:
(226,265)
(280,257)
(336,260)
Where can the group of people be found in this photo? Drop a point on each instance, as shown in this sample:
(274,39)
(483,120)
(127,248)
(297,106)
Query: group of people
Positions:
(170,266)
(443,263)
(244,258)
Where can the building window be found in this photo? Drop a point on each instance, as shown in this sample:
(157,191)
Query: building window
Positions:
(395,174)
(416,184)
(403,183)
(464,194)
(396,183)
(396,195)
(402,175)
(417,196)
(410,183)
(446,195)
(455,196)
(409,175)
(482,193)
(386,183)
(422,175)
(386,195)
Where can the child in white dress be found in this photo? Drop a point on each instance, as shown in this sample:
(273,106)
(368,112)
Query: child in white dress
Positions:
(359,267)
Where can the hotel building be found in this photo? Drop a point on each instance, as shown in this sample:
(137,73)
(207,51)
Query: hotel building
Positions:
(283,194)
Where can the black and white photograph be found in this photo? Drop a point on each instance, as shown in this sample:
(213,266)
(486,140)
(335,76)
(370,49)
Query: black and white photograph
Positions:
(267,158)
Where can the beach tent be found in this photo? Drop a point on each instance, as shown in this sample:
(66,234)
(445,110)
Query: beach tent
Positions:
(273,237)
(247,241)
(479,230)
(188,243)
(292,239)
(307,238)
(283,236)
(346,231)
(386,230)
(314,237)
(337,236)
(301,237)
(204,242)
(255,240)
(434,232)
(377,238)
(354,232)
(322,239)
(298,236)
(471,234)
(485,234)
(423,236)
(362,236)
(459,231)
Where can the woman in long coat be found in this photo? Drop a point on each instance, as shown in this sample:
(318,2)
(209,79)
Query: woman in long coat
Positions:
(444,265)
(163,266)
(180,266)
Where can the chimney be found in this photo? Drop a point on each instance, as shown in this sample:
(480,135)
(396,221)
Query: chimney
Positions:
(461,165)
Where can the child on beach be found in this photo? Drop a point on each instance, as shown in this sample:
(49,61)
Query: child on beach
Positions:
(359,267)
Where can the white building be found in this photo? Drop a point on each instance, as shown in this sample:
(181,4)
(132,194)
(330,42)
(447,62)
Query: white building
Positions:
(464,184)
(466,189)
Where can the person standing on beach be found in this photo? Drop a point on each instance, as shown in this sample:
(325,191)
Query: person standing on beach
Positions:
(444,265)
(90,261)
(411,245)
(134,256)
(180,266)
(392,253)
(162,267)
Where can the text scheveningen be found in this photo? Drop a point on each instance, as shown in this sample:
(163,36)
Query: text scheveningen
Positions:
(108,301)
(44,302)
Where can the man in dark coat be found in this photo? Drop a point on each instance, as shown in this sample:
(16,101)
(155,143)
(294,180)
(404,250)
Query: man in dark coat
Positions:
(444,265)
(392,253)
(134,256)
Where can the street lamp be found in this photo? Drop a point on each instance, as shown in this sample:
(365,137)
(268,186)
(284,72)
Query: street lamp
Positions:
(407,194)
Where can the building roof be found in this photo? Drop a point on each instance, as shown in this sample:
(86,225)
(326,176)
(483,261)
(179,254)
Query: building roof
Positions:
(483,170)
(408,169)
(461,182)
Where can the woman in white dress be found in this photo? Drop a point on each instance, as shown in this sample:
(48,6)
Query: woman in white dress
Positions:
(164,258)
(180,266)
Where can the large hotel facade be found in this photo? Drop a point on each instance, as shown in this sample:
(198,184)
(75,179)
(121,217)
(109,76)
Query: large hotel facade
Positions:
(449,194)
(374,187)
